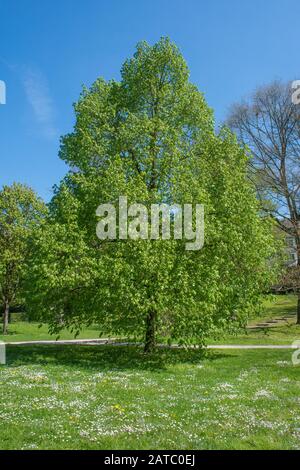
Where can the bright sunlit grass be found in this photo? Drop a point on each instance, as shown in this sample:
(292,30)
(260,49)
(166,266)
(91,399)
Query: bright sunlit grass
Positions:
(82,397)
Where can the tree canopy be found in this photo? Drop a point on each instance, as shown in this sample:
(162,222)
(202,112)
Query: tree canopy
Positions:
(150,137)
(268,125)
(21,211)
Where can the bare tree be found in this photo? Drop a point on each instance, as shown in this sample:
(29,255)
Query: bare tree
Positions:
(269,125)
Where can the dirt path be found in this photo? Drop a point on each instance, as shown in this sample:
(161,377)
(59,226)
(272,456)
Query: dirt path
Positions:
(101,342)
(274,322)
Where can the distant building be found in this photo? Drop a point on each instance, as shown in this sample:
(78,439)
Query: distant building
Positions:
(291,247)
(291,250)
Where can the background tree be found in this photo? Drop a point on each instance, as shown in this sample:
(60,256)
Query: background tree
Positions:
(151,138)
(268,124)
(291,281)
(20,213)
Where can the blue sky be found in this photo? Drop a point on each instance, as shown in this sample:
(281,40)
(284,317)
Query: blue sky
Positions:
(50,48)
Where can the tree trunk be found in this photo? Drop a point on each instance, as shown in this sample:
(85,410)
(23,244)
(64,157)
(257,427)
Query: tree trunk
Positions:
(150,332)
(5,317)
(298,263)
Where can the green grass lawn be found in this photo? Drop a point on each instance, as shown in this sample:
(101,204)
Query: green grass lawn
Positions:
(279,335)
(28,331)
(274,306)
(278,305)
(101,397)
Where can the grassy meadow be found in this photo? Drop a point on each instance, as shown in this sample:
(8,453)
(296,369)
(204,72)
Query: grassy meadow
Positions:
(105,397)
(83,397)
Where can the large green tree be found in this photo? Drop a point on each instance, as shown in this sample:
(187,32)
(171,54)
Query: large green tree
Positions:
(150,137)
(21,211)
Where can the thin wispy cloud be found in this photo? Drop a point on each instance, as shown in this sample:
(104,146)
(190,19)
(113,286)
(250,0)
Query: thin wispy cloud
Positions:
(39,98)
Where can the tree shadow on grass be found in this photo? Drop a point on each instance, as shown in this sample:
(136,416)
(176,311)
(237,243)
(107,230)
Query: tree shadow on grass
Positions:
(104,357)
